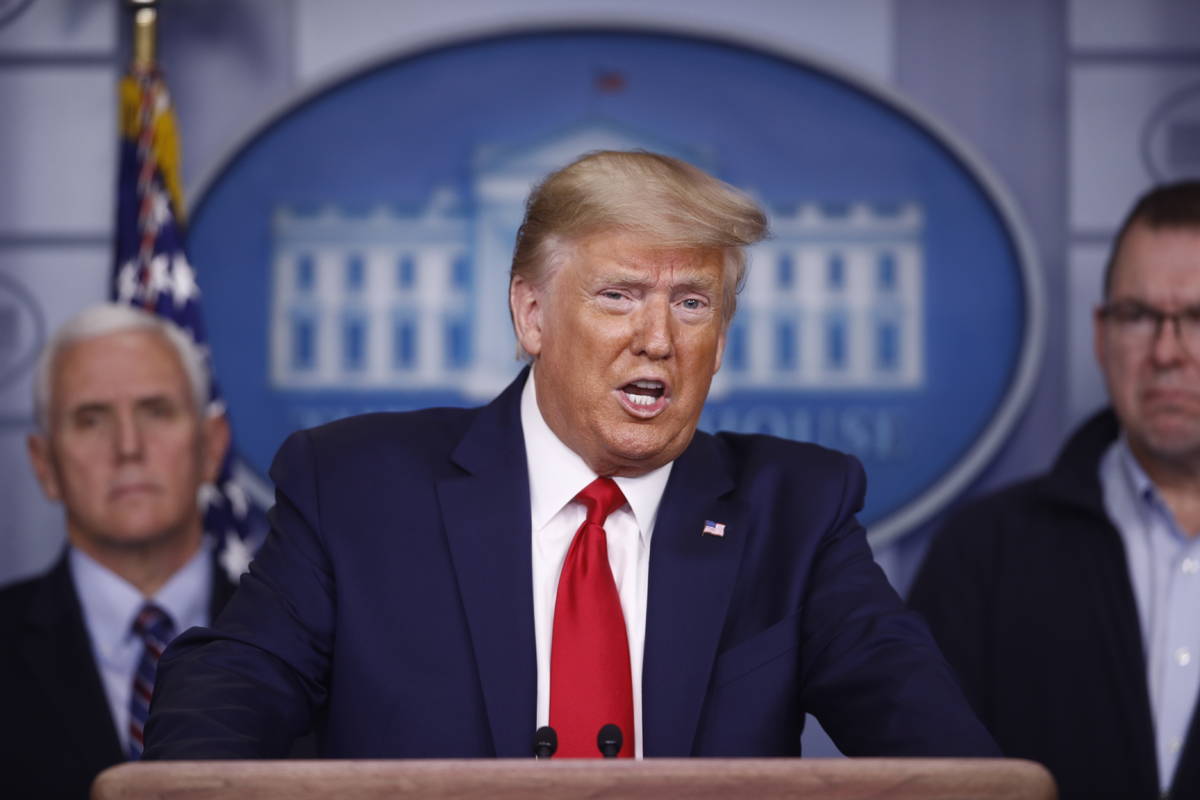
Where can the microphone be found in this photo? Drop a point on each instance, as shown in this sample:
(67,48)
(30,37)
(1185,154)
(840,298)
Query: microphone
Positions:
(609,740)
(545,742)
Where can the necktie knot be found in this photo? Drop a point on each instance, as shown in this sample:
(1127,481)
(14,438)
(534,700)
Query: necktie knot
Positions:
(602,497)
(153,622)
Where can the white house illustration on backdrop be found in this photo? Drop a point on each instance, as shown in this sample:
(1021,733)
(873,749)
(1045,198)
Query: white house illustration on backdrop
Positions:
(415,302)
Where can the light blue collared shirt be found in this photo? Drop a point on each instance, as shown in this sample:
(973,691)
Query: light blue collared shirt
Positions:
(1164,567)
(110,605)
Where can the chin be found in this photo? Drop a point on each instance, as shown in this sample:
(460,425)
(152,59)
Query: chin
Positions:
(140,533)
(1172,442)
(133,541)
(1175,444)
(642,456)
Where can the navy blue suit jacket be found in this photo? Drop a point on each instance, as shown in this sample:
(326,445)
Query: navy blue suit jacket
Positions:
(56,728)
(392,608)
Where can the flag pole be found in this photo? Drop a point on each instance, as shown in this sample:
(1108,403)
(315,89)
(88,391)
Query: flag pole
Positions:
(151,268)
(145,22)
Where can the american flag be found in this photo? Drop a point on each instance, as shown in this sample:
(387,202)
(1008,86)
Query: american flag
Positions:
(151,271)
(713,529)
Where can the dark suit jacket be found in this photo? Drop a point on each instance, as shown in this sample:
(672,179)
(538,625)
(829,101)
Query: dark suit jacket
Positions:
(1028,592)
(56,729)
(393,604)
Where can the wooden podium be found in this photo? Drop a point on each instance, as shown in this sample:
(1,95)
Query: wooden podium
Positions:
(835,779)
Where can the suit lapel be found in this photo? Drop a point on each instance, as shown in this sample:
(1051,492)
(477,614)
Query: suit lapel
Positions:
(58,653)
(691,581)
(486,514)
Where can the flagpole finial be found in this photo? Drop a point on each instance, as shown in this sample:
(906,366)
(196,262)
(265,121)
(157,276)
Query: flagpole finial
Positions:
(145,19)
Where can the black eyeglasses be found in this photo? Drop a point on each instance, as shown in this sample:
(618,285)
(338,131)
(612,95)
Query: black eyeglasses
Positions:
(1140,324)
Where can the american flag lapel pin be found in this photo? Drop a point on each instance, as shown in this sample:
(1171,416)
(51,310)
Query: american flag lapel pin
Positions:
(711,528)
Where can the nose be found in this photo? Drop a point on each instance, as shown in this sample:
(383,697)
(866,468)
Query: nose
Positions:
(653,337)
(128,437)
(1167,348)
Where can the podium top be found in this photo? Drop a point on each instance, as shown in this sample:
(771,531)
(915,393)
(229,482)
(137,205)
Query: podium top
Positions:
(835,779)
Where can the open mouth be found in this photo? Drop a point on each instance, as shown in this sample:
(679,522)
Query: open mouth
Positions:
(644,397)
(643,393)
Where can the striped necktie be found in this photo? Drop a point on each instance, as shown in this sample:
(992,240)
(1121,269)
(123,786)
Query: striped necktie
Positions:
(591,683)
(154,627)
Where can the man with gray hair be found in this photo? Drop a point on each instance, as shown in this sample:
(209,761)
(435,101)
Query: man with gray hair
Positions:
(124,442)
(575,556)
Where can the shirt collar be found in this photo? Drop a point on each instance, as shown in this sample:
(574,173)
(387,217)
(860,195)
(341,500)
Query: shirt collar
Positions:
(1141,491)
(111,603)
(557,473)
(1131,471)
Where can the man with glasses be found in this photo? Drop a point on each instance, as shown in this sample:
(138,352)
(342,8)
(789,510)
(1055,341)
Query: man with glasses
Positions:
(1070,603)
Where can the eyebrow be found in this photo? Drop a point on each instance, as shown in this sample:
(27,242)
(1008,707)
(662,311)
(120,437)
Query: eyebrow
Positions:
(156,399)
(699,283)
(94,406)
(686,280)
(89,407)
(1137,301)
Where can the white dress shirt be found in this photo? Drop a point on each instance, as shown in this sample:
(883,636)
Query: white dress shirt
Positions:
(556,475)
(110,605)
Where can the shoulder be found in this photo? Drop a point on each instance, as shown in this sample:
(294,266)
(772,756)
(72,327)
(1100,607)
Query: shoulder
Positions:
(17,599)
(430,424)
(792,479)
(1024,532)
(1021,510)
(1025,497)
(1045,512)
(413,438)
(768,458)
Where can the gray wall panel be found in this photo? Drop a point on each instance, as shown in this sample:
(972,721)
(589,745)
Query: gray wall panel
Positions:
(57,149)
(995,73)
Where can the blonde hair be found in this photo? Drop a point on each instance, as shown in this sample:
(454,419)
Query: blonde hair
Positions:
(668,202)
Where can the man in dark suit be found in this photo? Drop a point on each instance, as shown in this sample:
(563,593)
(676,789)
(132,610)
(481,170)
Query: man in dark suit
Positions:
(574,554)
(124,442)
(1070,603)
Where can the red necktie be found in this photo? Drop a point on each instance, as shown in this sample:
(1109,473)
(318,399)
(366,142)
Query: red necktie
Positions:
(590,681)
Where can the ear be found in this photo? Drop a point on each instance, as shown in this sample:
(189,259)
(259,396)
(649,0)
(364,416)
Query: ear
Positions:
(43,465)
(215,443)
(721,347)
(525,301)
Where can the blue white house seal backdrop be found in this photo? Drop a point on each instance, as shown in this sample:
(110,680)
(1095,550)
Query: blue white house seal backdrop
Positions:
(354,253)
